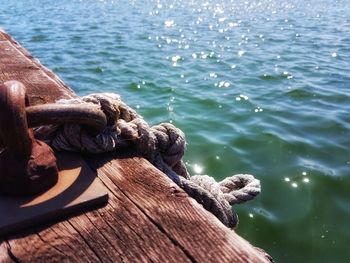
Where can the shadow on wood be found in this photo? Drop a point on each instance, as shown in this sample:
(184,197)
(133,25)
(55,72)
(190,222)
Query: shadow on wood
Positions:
(77,190)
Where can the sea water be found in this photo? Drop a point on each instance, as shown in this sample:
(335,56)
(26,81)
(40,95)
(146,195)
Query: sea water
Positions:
(259,87)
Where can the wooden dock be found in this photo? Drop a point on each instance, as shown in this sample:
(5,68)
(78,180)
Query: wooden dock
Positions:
(147,219)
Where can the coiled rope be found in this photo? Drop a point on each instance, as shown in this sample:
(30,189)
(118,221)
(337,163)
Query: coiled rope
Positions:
(163,145)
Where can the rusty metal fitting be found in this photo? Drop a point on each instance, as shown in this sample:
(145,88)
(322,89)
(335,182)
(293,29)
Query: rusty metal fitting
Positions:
(83,114)
(13,121)
(27,165)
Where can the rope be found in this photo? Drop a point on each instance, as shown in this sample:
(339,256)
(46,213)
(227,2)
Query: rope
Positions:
(163,145)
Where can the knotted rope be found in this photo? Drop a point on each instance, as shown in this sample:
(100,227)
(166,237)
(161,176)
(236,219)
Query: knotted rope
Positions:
(163,145)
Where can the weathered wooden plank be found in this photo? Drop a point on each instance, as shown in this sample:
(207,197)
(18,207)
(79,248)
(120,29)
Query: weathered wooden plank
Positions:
(147,219)
(187,224)
(117,232)
(55,243)
(124,232)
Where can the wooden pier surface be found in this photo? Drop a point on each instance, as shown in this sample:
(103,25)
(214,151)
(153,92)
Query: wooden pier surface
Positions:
(147,219)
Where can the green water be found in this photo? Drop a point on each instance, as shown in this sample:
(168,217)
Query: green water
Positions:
(259,87)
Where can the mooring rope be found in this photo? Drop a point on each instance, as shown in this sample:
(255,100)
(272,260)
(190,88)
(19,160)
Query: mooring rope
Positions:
(163,145)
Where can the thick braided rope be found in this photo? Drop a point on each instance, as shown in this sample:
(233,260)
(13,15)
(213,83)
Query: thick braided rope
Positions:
(163,145)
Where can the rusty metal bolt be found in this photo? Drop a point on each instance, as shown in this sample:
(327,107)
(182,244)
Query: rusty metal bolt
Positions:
(27,166)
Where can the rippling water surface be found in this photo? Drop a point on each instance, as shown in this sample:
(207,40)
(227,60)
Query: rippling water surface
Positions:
(259,87)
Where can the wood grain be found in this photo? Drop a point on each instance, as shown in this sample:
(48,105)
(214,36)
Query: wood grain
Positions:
(186,223)
(147,218)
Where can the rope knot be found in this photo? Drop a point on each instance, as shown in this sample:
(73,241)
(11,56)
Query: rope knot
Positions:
(240,188)
(163,145)
(218,197)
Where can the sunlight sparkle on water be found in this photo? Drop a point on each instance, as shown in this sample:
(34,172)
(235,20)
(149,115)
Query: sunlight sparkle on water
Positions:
(258,109)
(169,23)
(232,24)
(295,185)
(175,59)
(197,168)
(241,96)
(213,75)
(222,84)
(240,53)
